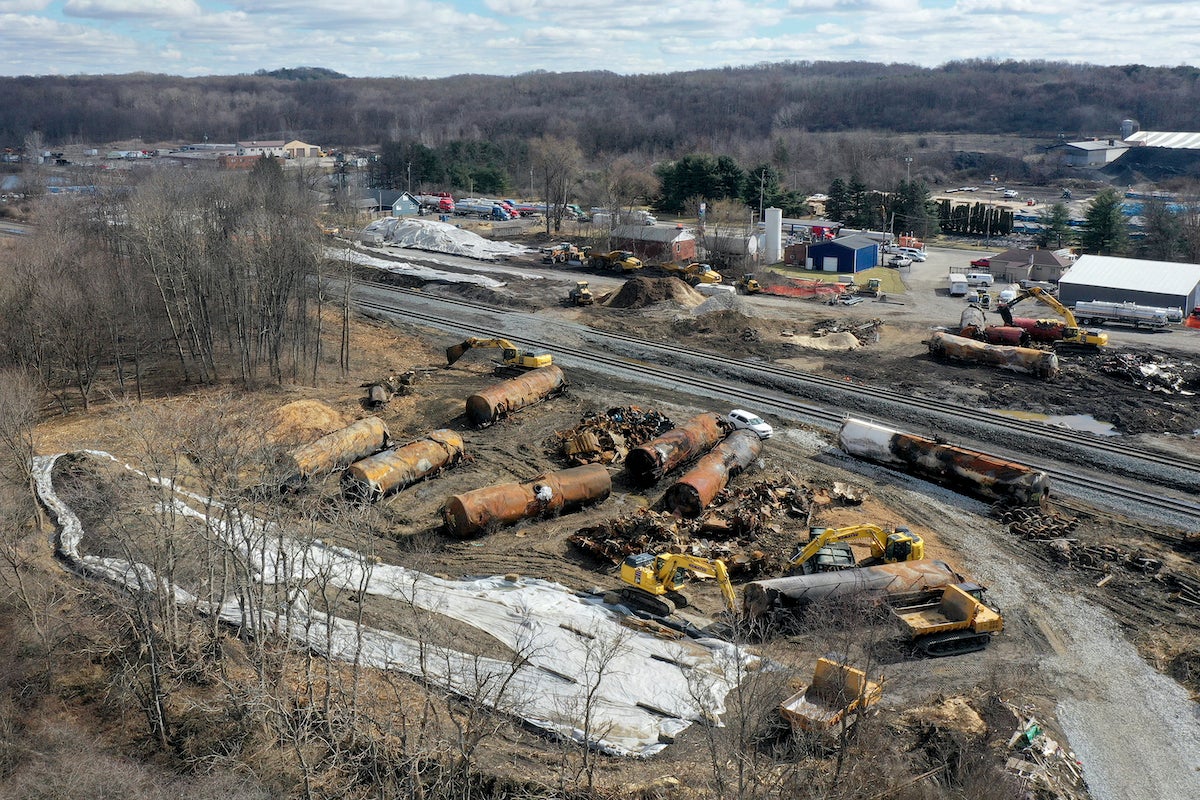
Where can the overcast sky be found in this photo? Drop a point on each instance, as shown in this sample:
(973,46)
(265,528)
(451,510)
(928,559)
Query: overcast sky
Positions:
(427,38)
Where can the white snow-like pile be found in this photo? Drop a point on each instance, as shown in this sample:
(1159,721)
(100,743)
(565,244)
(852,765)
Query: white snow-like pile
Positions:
(647,689)
(414,270)
(439,237)
(724,301)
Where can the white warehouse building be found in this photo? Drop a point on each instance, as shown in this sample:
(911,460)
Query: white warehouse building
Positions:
(1164,284)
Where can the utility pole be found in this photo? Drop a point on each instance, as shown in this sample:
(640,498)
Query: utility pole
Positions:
(908,169)
(409,166)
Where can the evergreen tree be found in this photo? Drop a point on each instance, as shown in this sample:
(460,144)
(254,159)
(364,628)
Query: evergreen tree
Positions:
(1105,231)
(837,207)
(1163,230)
(698,175)
(859,213)
(1056,227)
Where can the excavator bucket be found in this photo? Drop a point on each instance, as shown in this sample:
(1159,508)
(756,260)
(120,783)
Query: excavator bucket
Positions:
(455,352)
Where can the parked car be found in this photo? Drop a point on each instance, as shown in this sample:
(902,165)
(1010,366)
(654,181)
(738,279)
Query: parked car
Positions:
(981,262)
(899,261)
(741,419)
(911,252)
(1010,193)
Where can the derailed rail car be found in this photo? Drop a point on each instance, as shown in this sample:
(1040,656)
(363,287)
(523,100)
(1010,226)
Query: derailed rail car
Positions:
(1040,363)
(767,599)
(657,457)
(692,493)
(488,405)
(546,495)
(971,471)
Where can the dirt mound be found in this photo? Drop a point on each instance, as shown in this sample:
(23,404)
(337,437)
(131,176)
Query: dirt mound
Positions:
(641,292)
(303,421)
(1152,164)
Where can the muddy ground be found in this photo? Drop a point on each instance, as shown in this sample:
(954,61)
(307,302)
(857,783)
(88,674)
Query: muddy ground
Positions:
(1049,599)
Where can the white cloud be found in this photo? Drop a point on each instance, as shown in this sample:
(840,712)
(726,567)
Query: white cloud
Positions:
(139,9)
(22,6)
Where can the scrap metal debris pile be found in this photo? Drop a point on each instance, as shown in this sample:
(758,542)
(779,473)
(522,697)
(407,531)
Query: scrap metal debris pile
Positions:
(1044,767)
(733,529)
(1153,372)
(605,438)
(867,332)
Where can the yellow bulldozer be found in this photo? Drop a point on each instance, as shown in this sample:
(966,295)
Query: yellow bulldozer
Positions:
(748,284)
(511,355)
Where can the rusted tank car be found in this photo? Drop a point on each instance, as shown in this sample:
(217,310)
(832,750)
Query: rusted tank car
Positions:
(692,493)
(494,402)
(674,448)
(1040,363)
(961,469)
(546,495)
(392,470)
(1046,331)
(345,446)
(768,598)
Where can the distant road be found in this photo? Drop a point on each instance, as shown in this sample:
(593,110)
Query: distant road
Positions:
(8,228)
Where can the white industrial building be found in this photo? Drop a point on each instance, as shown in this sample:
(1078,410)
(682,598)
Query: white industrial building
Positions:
(1119,280)
(1094,153)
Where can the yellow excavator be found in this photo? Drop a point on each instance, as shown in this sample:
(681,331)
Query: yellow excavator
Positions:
(653,581)
(511,355)
(827,550)
(1072,334)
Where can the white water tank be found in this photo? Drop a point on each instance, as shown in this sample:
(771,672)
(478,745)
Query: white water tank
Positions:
(774,219)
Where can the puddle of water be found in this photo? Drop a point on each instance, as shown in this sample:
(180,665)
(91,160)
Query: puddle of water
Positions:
(1076,422)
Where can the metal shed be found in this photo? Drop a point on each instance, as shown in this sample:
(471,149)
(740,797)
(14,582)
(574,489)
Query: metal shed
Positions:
(848,254)
(1118,280)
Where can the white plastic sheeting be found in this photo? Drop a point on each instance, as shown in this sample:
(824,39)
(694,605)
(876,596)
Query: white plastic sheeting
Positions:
(644,689)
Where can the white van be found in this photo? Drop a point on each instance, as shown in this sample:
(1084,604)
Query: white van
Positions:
(958,284)
(911,252)
(980,279)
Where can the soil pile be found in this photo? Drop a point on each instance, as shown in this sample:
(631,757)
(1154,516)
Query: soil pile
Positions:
(641,292)
(303,421)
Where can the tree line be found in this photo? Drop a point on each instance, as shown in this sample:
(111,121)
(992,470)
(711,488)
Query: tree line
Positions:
(653,115)
(173,280)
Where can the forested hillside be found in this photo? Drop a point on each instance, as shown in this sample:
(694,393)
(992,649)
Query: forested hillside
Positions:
(604,112)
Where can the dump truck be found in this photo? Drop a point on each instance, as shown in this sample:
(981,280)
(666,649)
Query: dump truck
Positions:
(622,260)
(560,253)
(581,295)
(694,273)
(837,694)
(949,622)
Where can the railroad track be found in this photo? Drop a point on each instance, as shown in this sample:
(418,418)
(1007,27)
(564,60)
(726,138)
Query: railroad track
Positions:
(655,361)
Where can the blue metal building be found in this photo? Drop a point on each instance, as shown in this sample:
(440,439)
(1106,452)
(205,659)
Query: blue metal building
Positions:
(848,254)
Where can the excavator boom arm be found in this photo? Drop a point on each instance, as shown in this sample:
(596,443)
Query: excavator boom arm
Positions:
(455,352)
(711,567)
